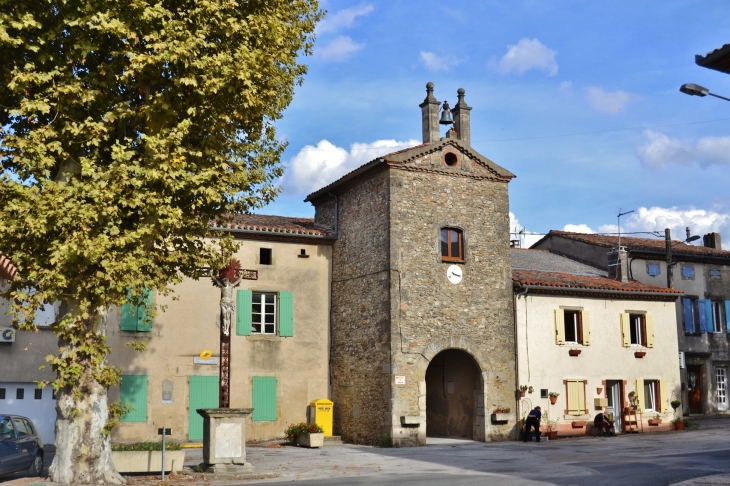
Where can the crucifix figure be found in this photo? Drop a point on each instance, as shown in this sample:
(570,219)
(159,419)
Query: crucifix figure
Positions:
(228,279)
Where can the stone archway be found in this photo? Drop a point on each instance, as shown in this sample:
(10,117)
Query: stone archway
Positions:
(454,383)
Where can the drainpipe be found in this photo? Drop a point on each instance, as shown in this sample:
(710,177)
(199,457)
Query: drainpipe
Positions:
(334,237)
(517,361)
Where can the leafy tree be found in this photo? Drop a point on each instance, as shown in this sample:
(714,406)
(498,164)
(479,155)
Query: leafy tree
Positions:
(127,128)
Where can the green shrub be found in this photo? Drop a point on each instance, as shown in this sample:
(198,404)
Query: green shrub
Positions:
(147,446)
(386,440)
(301,428)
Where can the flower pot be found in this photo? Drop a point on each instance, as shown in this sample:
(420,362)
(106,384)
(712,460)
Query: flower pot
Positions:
(676,404)
(655,421)
(640,354)
(522,393)
(311,440)
(552,434)
(553,400)
(574,352)
(678,425)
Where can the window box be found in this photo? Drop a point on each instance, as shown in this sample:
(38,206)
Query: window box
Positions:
(502,418)
(640,354)
(312,441)
(574,352)
(655,422)
(147,461)
(578,424)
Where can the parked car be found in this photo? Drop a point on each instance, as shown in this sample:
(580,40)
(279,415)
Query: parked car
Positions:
(21,448)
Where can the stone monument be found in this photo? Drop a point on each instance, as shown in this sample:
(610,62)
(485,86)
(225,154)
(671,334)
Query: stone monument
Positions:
(224,440)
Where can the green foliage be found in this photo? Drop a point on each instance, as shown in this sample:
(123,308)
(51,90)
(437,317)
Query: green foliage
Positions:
(128,129)
(147,446)
(138,346)
(386,440)
(116,412)
(295,430)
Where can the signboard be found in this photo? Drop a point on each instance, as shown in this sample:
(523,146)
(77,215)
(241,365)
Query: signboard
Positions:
(208,361)
(400,380)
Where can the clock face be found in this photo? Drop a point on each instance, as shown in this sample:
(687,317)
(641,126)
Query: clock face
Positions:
(454,274)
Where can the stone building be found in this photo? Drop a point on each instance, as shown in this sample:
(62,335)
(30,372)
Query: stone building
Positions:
(422,336)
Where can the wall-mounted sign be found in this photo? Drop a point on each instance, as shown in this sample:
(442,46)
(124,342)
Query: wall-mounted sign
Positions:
(209,361)
(400,380)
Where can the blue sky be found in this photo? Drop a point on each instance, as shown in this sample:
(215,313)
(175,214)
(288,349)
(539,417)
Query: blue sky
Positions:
(579,99)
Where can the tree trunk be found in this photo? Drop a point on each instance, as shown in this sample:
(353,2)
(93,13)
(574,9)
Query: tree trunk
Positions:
(83,451)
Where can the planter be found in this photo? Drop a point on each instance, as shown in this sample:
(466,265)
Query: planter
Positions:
(147,461)
(553,400)
(678,425)
(640,354)
(655,421)
(676,404)
(522,394)
(502,418)
(578,424)
(551,434)
(574,352)
(311,440)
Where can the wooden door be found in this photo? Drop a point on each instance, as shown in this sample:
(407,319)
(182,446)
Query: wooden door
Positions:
(694,388)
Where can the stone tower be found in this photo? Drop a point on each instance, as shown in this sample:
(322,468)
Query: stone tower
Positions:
(422,334)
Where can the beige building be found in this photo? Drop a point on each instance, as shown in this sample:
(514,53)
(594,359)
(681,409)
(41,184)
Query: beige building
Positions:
(593,339)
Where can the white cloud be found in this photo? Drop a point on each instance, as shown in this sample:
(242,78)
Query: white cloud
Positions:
(700,221)
(566,88)
(528,54)
(343,19)
(660,151)
(315,167)
(527,238)
(578,228)
(339,49)
(435,63)
(608,101)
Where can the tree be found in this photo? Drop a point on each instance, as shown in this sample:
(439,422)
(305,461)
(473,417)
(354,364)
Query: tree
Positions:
(127,129)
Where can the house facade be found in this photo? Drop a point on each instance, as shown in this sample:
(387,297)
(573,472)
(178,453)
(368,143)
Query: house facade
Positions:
(702,272)
(590,341)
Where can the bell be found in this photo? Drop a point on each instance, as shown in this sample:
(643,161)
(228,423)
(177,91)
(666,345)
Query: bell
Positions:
(446,115)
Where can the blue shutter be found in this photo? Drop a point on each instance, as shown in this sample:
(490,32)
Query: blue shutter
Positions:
(286,314)
(243,312)
(264,398)
(689,317)
(134,392)
(711,325)
(701,307)
(727,316)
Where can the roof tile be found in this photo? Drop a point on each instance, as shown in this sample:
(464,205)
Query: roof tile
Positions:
(578,282)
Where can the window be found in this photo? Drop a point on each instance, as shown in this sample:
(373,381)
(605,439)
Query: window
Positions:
(19,393)
(637,329)
(21,427)
(264,313)
(718,315)
(688,271)
(451,244)
(264,398)
(38,393)
(45,314)
(711,315)
(576,397)
(137,318)
(652,395)
(653,269)
(2,393)
(543,392)
(134,393)
(572,327)
(715,273)
(721,377)
(265,256)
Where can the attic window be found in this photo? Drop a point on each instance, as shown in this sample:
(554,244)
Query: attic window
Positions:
(451,159)
(265,256)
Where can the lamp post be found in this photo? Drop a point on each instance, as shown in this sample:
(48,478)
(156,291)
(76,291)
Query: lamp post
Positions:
(697,90)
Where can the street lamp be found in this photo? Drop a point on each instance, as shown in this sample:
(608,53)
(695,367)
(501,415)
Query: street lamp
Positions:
(697,90)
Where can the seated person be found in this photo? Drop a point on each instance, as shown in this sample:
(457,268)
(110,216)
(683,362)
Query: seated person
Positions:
(604,424)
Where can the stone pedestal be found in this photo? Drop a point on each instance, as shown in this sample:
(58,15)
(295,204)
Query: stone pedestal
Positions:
(224,440)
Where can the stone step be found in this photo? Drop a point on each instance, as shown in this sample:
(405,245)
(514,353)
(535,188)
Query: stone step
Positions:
(333,440)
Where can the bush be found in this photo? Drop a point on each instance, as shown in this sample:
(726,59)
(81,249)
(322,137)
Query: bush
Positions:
(147,446)
(295,430)
(386,440)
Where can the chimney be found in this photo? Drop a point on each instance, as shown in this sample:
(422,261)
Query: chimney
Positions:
(430,116)
(712,240)
(461,118)
(618,265)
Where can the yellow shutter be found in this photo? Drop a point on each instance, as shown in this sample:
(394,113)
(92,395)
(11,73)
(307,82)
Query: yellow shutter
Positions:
(625,331)
(649,331)
(559,326)
(576,399)
(640,395)
(586,320)
(663,396)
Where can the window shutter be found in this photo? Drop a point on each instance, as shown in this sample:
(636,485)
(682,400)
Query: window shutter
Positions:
(129,318)
(203,394)
(286,314)
(727,316)
(640,395)
(144,322)
(134,392)
(244,299)
(625,331)
(649,330)
(576,400)
(559,326)
(702,308)
(709,318)
(586,328)
(264,398)
(662,399)
(689,316)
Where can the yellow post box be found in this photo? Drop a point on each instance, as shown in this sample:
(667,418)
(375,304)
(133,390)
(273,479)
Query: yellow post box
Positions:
(322,411)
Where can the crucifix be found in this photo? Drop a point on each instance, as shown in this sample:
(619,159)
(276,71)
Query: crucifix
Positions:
(228,279)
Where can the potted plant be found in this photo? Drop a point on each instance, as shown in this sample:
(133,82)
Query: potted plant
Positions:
(633,400)
(553,397)
(551,427)
(307,435)
(656,420)
(675,402)
(678,423)
(146,457)
(523,389)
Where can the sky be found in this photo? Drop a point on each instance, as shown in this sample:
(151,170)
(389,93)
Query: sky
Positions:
(579,99)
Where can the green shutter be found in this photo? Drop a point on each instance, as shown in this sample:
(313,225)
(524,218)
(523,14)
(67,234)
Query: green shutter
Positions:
(203,394)
(129,318)
(264,398)
(134,393)
(144,322)
(244,299)
(286,314)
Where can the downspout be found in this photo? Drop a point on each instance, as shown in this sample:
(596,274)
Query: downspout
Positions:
(517,361)
(334,237)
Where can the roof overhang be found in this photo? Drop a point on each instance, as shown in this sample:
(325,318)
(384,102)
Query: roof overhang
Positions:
(718,60)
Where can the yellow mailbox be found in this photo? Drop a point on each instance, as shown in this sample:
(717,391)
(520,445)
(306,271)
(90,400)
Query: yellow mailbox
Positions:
(322,411)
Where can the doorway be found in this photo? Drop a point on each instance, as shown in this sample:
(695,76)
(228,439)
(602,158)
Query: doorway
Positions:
(614,394)
(453,380)
(694,388)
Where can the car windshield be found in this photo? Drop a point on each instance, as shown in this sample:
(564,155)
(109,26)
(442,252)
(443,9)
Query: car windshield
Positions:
(6,429)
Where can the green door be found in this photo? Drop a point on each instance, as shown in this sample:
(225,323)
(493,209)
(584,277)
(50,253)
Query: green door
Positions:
(203,394)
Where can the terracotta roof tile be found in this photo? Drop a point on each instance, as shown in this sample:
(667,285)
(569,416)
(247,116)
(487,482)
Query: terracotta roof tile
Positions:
(276,224)
(7,269)
(578,282)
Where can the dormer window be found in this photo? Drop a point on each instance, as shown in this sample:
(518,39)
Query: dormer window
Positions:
(452,244)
